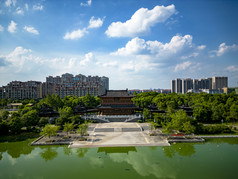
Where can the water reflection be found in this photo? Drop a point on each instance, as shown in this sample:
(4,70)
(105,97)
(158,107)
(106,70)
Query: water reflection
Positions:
(138,162)
(182,149)
(108,150)
(223,140)
(67,151)
(81,152)
(146,161)
(16,149)
(49,153)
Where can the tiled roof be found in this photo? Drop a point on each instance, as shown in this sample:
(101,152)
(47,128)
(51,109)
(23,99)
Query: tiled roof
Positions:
(116,93)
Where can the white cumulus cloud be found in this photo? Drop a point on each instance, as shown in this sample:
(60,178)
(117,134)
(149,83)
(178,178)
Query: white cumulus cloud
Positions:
(38,7)
(18,57)
(88,58)
(31,29)
(141,21)
(134,46)
(10,3)
(19,11)
(76,34)
(12,27)
(182,66)
(193,55)
(87,3)
(95,23)
(222,49)
(140,46)
(201,47)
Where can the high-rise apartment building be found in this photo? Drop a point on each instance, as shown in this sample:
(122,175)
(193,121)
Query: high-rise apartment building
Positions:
(105,82)
(219,82)
(186,85)
(172,86)
(65,85)
(78,85)
(22,90)
(178,85)
(195,84)
(207,84)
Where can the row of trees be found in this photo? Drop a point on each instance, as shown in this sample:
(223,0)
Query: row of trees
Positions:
(27,116)
(207,108)
(51,130)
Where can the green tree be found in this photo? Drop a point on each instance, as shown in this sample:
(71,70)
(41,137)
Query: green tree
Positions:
(49,130)
(3,102)
(202,113)
(234,112)
(158,118)
(65,114)
(188,128)
(24,109)
(3,127)
(75,119)
(90,101)
(218,112)
(82,129)
(53,101)
(43,121)
(5,115)
(68,127)
(172,104)
(153,126)
(146,113)
(15,124)
(180,122)
(30,118)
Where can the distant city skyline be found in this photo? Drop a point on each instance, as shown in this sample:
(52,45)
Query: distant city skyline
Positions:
(213,84)
(64,85)
(137,44)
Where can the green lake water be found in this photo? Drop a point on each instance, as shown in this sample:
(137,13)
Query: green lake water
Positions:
(215,159)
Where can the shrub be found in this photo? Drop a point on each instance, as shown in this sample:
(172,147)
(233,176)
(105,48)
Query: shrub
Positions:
(215,129)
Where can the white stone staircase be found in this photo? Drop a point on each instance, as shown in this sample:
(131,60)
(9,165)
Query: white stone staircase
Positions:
(113,118)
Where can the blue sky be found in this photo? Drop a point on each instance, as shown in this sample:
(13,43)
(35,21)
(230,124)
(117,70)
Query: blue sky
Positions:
(138,44)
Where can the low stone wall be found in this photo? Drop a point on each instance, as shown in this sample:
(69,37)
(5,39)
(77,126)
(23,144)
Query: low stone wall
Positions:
(186,140)
(51,143)
(35,141)
(219,136)
(55,140)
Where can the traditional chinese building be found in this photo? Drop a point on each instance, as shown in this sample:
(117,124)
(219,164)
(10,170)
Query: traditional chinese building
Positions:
(116,102)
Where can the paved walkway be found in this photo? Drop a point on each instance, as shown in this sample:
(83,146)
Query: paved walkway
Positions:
(117,134)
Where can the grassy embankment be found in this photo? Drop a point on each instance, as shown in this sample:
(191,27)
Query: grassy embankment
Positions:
(19,137)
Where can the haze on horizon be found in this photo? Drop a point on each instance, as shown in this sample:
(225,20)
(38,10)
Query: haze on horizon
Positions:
(138,44)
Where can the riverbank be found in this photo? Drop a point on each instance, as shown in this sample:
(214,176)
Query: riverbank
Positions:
(111,135)
(120,134)
(19,137)
(114,134)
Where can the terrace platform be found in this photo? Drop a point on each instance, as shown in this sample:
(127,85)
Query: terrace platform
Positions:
(119,134)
